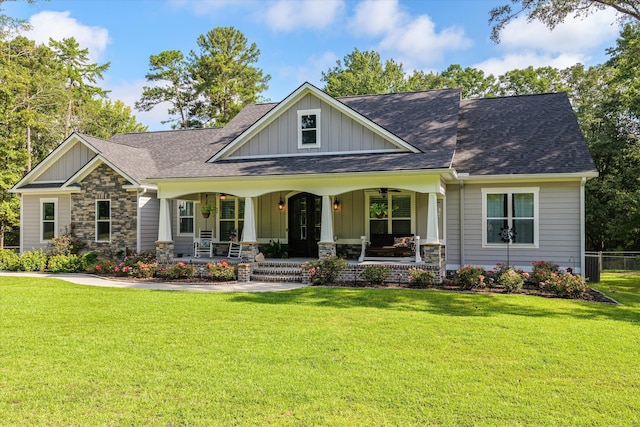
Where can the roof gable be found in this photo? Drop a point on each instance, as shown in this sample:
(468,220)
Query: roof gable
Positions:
(276,133)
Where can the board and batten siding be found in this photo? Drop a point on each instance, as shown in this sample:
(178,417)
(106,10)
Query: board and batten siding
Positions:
(453,227)
(149,212)
(62,169)
(559,228)
(338,133)
(30,221)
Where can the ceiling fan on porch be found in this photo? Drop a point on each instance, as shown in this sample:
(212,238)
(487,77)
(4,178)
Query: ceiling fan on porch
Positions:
(384,191)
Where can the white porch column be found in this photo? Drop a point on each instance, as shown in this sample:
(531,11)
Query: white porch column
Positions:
(164,222)
(432,219)
(249,230)
(326,227)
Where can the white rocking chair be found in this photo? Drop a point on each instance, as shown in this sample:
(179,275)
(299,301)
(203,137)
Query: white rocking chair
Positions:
(203,244)
(235,250)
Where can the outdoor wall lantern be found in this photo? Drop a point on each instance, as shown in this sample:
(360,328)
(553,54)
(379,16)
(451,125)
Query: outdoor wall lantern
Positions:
(281,204)
(336,203)
(223,196)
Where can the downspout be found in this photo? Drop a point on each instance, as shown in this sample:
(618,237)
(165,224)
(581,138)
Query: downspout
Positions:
(583,227)
(21,222)
(462,260)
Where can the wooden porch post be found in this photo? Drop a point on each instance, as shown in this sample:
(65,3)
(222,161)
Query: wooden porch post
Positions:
(326,245)
(432,220)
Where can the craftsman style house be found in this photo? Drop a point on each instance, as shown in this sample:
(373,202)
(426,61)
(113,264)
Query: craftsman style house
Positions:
(355,176)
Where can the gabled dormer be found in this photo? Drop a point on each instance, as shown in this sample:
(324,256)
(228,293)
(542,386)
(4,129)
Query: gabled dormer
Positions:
(310,122)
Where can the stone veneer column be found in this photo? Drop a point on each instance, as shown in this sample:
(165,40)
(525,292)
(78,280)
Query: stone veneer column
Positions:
(326,249)
(250,250)
(434,255)
(164,252)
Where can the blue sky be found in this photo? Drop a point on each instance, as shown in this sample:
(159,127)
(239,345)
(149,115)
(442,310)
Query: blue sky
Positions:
(300,38)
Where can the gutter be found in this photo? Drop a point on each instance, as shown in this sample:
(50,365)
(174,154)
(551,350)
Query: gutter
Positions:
(583,228)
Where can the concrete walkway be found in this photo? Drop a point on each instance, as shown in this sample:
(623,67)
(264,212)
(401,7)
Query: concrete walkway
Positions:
(93,280)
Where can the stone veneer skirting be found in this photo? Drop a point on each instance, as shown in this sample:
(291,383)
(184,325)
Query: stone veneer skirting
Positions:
(103,183)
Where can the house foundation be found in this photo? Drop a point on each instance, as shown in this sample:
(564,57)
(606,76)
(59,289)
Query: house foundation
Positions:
(165,252)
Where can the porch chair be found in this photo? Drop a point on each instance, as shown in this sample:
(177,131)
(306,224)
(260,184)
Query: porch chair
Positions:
(235,250)
(203,244)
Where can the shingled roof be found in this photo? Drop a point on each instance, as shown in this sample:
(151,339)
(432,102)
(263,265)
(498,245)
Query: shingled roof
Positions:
(522,135)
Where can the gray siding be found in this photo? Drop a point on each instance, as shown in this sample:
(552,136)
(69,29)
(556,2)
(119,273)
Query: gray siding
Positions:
(149,211)
(74,159)
(453,225)
(271,222)
(348,221)
(338,133)
(183,244)
(559,228)
(30,221)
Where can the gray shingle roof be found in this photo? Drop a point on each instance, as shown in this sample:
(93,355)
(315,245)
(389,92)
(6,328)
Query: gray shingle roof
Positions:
(510,135)
(529,134)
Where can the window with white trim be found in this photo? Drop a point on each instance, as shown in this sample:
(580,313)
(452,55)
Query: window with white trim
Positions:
(186,217)
(513,210)
(48,219)
(309,128)
(390,213)
(231,218)
(103,220)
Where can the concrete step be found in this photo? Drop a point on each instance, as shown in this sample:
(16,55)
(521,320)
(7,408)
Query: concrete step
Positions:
(277,272)
(275,278)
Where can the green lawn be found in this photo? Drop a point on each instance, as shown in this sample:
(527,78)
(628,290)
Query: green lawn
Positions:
(81,355)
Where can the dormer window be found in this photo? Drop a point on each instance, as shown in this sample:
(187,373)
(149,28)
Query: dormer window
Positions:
(309,128)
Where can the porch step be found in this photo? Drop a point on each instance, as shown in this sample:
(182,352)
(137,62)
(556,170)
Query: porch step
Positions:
(281,272)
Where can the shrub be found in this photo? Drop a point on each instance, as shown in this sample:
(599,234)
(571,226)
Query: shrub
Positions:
(572,286)
(89,261)
(421,277)
(9,260)
(66,243)
(375,274)
(543,271)
(33,261)
(221,271)
(325,270)
(143,270)
(104,266)
(178,271)
(468,277)
(65,263)
(511,280)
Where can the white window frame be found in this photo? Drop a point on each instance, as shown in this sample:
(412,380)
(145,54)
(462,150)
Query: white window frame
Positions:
(55,218)
(97,220)
(301,113)
(389,217)
(179,217)
(236,220)
(536,215)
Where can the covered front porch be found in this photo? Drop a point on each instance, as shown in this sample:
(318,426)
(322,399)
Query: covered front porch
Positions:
(392,219)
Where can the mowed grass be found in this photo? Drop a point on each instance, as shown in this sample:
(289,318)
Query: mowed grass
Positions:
(80,355)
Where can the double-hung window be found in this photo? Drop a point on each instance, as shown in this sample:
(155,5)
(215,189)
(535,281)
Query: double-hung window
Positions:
(103,220)
(186,218)
(231,218)
(510,212)
(309,128)
(390,213)
(48,222)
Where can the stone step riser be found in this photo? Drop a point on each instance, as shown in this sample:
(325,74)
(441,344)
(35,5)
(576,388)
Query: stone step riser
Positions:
(274,278)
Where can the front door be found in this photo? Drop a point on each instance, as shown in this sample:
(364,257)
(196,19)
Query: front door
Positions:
(305,214)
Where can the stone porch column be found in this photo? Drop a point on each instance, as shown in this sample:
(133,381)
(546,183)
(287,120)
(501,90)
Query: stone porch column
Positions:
(164,244)
(432,220)
(326,245)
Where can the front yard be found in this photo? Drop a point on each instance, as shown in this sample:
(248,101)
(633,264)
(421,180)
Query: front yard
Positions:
(73,354)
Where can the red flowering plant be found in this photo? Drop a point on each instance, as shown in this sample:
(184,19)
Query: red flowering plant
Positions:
(178,271)
(326,270)
(221,271)
(469,277)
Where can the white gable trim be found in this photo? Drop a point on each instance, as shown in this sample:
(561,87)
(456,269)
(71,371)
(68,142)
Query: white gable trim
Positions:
(289,101)
(91,166)
(55,155)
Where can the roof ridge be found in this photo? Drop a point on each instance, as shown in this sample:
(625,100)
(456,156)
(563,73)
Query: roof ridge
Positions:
(406,92)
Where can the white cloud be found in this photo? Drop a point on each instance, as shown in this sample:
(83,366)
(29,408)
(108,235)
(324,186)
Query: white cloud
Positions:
(573,35)
(498,66)
(412,40)
(59,25)
(527,44)
(286,15)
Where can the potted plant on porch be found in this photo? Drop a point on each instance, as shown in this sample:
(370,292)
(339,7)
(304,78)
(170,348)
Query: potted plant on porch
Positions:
(207,209)
(378,210)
